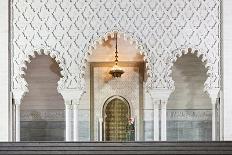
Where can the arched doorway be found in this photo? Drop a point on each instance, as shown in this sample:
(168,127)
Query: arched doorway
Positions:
(102,85)
(116,115)
(189,110)
(42,109)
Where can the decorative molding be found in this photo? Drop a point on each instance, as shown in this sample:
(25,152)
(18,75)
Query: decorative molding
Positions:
(213,93)
(72,94)
(160,94)
(189,115)
(42,115)
(18,95)
(156,27)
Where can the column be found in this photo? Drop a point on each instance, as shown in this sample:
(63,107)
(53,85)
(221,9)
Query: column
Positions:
(100,128)
(75,122)
(68,120)
(72,100)
(136,128)
(17,121)
(213,119)
(213,93)
(163,120)
(161,96)
(156,104)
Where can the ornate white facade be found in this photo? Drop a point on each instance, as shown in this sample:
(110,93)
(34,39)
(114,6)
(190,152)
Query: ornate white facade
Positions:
(161,30)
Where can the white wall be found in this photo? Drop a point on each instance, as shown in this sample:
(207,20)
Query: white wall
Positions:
(227,68)
(4,106)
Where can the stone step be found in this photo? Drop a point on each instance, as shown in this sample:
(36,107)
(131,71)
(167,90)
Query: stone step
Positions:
(115,148)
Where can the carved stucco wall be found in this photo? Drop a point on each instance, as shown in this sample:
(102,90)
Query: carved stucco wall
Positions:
(127,87)
(161,29)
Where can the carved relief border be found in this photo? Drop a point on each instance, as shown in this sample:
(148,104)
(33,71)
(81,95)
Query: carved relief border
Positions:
(73,27)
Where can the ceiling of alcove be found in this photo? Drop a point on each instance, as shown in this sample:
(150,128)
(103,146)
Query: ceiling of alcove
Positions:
(106,51)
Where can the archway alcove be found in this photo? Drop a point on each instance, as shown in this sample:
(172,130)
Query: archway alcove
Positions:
(189,107)
(101,85)
(42,109)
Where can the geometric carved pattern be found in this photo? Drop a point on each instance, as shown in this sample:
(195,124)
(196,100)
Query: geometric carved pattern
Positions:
(106,88)
(189,115)
(172,115)
(42,115)
(161,28)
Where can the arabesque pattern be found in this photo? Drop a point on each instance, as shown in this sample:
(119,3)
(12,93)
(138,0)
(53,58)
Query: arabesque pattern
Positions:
(161,29)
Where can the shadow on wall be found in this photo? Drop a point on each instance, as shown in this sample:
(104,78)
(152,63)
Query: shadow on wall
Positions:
(189,74)
(189,106)
(42,75)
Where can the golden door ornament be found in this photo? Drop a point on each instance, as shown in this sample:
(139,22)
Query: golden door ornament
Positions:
(116,114)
